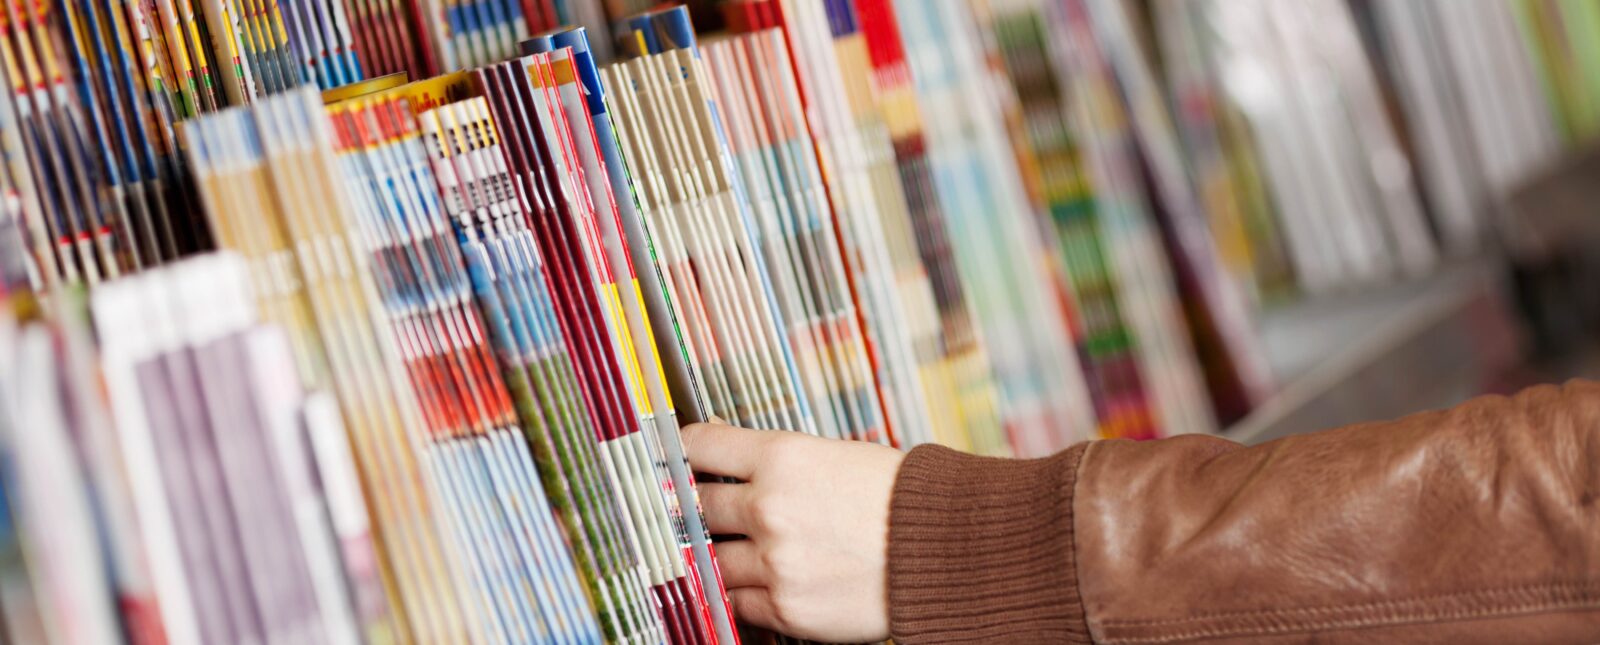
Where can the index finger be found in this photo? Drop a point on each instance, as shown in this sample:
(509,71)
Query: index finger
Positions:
(724,450)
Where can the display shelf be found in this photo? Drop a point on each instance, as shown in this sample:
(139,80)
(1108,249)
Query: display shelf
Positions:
(1552,213)
(1384,352)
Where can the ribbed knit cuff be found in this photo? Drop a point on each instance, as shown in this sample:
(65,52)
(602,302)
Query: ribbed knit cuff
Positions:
(981,549)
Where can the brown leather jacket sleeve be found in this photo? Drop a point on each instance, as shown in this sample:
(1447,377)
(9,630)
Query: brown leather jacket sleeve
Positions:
(1475,524)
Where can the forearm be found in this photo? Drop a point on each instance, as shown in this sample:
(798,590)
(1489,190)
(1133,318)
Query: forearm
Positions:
(1476,523)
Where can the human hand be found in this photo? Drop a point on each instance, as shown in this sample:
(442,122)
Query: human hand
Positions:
(816,512)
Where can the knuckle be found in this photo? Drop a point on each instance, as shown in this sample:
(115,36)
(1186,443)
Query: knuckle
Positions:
(768,514)
(783,567)
(772,563)
(783,610)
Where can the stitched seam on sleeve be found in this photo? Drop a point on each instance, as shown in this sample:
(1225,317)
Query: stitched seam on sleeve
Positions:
(1363,623)
(1489,603)
(1072,541)
(1552,587)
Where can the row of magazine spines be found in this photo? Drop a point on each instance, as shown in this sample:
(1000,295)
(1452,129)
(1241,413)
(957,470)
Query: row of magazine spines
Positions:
(846,22)
(144,301)
(887,73)
(379,428)
(593,368)
(220,52)
(503,271)
(797,229)
(623,100)
(391,481)
(88,234)
(1104,337)
(115,85)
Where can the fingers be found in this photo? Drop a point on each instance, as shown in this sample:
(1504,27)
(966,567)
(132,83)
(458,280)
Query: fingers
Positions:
(740,563)
(726,508)
(754,605)
(724,450)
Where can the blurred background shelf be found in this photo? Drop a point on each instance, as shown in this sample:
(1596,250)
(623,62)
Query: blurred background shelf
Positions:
(1553,214)
(1478,325)
(1386,352)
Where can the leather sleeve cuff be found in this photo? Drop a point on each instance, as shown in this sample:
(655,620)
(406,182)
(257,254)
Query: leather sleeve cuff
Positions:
(981,549)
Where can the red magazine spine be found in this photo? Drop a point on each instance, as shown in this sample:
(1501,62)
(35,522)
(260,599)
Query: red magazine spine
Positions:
(547,15)
(532,17)
(425,58)
(370,65)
